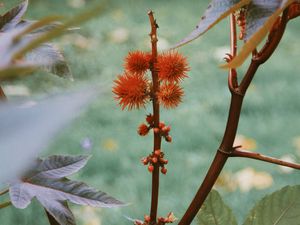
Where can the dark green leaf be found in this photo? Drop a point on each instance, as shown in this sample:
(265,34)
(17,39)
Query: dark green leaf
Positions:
(59,166)
(53,190)
(280,208)
(11,18)
(257,13)
(216,11)
(215,212)
(58,212)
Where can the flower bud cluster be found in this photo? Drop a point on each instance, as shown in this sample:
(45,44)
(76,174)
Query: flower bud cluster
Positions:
(170,218)
(156,159)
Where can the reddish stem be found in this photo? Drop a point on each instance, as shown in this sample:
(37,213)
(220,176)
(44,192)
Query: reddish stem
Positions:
(155,104)
(257,156)
(237,94)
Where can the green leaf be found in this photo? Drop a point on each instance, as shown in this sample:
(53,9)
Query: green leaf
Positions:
(215,12)
(215,211)
(280,208)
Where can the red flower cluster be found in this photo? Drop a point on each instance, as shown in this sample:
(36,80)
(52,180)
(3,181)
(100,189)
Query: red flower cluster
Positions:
(133,88)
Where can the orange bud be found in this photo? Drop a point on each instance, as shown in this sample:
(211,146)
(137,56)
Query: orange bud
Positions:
(168,138)
(156,130)
(143,129)
(145,161)
(157,152)
(147,218)
(166,129)
(149,119)
(150,168)
(163,170)
(161,125)
(154,160)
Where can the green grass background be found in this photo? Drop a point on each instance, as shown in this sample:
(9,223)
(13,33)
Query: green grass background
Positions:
(270,112)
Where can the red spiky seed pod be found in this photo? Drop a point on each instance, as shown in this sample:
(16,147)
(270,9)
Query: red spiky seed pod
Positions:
(157,152)
(170,95)
(172,67)
(168,138)
(131,91)
(143,129)
(150,168)
(150,119)
(137,62)
(164,170)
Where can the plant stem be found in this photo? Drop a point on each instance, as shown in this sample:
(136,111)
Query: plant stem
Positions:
(3,192)
(237,95)
(5,204)
(257,156)
(155,104)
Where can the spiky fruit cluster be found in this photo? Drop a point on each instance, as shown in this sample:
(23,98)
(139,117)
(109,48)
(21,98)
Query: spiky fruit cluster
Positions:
(156,158)
(133,88)
(170,218)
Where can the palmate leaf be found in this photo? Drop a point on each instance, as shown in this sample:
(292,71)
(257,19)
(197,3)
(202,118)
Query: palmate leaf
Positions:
(59,166)
(11,18)
(53,193)
(215,211)
(216,11)
(257,37)
(280,208)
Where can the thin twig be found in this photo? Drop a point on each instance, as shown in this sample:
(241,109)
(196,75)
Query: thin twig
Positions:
(2,94)
(5,204)
(3,192)
(155,104)
(258,156)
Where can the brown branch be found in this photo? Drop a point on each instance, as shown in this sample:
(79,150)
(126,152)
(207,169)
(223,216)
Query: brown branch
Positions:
(5,204)
(3,192)
(257,156)
(226,146)
(155,104)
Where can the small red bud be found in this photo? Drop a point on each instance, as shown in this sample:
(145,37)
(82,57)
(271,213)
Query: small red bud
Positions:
(163,170)
(157,152)
(147,218)
(149,119)
(161,125)
(168,138)
(156,130)
(165,161)
(150,168)
(166,129)
(143,129)
(154,159)
(145,161)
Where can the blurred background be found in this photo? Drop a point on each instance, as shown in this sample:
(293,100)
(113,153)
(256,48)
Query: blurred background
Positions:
(269,122)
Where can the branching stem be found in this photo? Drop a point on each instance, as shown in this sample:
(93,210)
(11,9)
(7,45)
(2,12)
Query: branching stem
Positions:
(258,156)
(237,94)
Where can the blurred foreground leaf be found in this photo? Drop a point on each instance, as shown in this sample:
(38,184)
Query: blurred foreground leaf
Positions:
(280,208)
(26,128)
(215,212)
